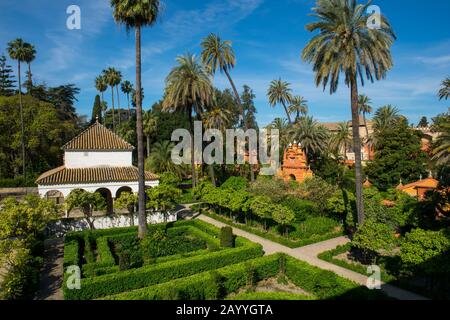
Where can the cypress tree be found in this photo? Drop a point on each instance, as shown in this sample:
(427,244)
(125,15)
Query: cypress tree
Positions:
(7,82)
(97,110)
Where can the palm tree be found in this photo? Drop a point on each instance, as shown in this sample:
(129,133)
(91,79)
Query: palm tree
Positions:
(444,92)
(127,88)
(216,118)
(149,126)
(118,78)
(30,55)
(188,89)
(17,51)
(110,75)
(385,117)
(298,107)
(219,55)
(160,160)
(137,14)
(342,138)
(285,135)
(312,136)
(441,152)
(279,92)
(345,45)
(364,106)
(101,86)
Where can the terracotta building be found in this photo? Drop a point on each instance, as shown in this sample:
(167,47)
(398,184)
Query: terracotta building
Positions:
(295,164)
(419,188)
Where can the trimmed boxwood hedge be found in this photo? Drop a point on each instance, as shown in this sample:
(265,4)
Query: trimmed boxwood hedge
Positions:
(109,284)
(319,283)
(202,285)
(279,239)
(71,253)
(326,284)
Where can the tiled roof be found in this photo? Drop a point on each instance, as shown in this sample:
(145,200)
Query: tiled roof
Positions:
(63,175)
(97,137)
(425,183)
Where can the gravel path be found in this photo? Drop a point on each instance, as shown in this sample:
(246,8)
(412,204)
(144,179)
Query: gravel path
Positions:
(309,254)
(52,271)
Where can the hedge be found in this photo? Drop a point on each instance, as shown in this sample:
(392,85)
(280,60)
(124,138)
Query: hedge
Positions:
(279,239)
(109,284)
(325,284)
(203,285)
(71,253)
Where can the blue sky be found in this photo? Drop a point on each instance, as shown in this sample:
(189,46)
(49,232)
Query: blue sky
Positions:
(267,36)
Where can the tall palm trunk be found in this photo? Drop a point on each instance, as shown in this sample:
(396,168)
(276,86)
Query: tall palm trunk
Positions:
(142,219)
(118,102)
(112,108)
(357,149)
(129,110)
(30,82)
(287,112)
(22,127)
(238,99)
(211,174)
(102,112)
(148,146)
(191,124)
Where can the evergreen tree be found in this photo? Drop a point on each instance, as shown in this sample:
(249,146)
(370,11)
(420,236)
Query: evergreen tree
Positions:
(398,156)
(97,110)
(6,78)
(423,123)
(249,108)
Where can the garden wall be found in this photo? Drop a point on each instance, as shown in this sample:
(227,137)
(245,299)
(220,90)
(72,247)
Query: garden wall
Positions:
(60,227)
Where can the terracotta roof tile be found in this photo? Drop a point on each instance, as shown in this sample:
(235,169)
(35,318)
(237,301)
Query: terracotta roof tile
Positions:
(97,137)
(62,175)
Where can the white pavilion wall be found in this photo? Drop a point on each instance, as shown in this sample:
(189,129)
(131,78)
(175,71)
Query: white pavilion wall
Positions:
(90,159)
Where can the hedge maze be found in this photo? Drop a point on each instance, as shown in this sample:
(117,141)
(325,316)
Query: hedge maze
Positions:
(189,260)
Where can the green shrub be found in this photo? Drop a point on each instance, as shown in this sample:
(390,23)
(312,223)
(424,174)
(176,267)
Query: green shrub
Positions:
(89,255)
(104,252)
(204,285)
(109,284)
(326,284)
(71,254)
(227,237)
(301,208)
(314,226)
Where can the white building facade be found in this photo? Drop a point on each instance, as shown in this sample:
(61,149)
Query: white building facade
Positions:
(97,160)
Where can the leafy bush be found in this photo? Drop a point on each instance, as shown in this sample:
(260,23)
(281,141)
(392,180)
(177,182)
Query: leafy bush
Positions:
(301,208)
(314,226)
(261,296)
(373,237)
(235,184)
(227,237)
(426,251)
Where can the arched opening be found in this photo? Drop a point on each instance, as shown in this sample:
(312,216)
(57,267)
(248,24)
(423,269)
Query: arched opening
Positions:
(292,177)
(55,196)
(105,193)
(123,189)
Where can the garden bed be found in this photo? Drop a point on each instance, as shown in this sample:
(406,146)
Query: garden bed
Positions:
(291,243)
(342,257)
(232,281)
(112,261)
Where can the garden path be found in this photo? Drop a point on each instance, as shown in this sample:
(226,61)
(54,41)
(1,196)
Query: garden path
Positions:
(309,254)
(50,287)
